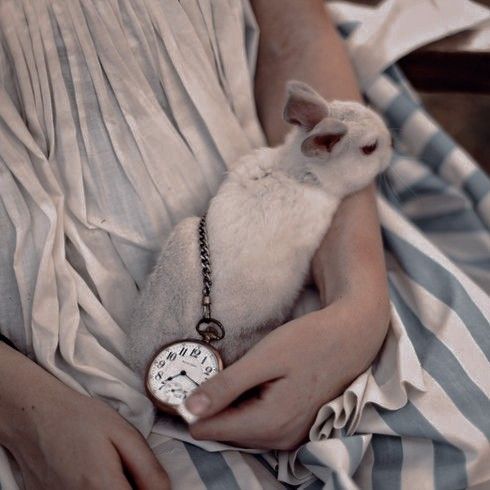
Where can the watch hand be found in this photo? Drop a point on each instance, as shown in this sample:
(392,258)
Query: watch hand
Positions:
(170,378)
(187,376)
(184,373)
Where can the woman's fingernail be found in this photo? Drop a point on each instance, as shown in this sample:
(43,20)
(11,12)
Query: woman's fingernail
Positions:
(198,403)
(189,417)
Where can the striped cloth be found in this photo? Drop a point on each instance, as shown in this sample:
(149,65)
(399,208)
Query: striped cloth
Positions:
(418,418)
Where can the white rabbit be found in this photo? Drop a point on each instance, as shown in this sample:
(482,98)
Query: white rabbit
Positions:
(264,225)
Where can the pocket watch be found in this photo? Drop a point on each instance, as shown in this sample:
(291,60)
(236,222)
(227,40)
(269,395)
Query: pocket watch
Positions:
(179,367)
(177,370)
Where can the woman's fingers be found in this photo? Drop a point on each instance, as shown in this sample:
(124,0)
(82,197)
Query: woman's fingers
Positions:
(110,473)
(111,479)
(140,463)
(263,422)
(242,426)
(222,389)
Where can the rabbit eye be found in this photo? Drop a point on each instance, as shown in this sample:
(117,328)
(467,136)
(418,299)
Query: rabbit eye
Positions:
(368,149)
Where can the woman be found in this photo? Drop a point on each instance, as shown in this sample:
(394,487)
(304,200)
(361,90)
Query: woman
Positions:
(118,120)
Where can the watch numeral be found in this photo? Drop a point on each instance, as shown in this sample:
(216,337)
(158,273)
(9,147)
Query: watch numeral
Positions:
(195,352)
(159,375)
(172,356)
(204,360)
(160,364)
(183,351)
(208,369)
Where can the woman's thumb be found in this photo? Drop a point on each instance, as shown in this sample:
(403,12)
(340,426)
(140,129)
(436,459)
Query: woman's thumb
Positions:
(222,389)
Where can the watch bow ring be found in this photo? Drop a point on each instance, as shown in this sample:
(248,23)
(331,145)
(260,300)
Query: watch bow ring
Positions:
(210,329)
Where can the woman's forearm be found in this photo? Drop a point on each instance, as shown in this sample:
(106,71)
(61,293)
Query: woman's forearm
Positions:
(299,41)
(19,381)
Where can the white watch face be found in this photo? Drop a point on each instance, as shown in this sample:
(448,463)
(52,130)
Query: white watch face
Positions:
(179,369)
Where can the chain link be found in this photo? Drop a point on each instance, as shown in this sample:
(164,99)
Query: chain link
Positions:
(206,267)
(209,328)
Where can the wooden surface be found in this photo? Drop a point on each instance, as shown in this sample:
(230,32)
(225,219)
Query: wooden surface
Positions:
(458,63)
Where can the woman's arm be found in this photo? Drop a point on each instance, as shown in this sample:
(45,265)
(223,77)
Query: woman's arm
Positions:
(308,361)
(299,41)
(62,439)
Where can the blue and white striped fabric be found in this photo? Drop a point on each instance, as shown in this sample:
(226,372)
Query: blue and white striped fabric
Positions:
(434,182)
(434,206)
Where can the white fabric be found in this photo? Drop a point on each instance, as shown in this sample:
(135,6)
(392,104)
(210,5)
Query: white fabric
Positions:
(115,123)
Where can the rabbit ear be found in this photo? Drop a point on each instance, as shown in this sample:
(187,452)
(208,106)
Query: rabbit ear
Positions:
(325,136)
(304,107)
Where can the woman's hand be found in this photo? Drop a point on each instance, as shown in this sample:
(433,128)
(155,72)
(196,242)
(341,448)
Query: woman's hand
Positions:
(297,368)
(64,440)
(307,362)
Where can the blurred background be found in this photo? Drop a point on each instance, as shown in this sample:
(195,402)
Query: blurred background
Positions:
(452,77)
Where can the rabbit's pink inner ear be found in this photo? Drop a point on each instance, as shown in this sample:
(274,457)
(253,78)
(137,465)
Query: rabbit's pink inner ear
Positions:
(319,144)
(304,111)
(327,141)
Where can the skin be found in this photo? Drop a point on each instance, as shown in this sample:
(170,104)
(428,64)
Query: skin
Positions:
(64,440)
(309,361)
(38,424)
